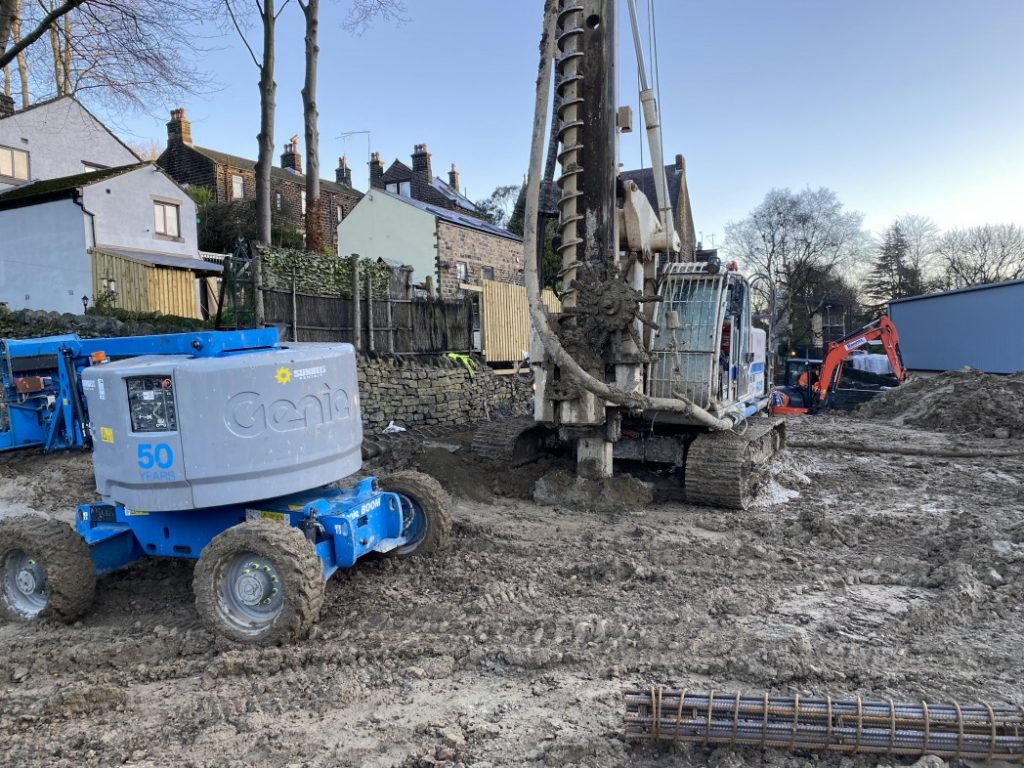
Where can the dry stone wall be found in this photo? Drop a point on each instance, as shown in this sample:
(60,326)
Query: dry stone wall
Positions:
(435,392)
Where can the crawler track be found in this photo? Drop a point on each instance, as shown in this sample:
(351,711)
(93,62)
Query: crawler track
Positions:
(728,469)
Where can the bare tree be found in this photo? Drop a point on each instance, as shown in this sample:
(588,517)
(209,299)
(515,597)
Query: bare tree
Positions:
(123,54)
(922,236)
(798,244)
(148,150)
(986,254)
(314,225)
(361,14)
(9,12)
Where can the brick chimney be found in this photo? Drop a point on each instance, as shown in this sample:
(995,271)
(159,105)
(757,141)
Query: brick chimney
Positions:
(421,163)
(291,160)
(376,171)
(6,105)
(343,174)
(179,130)
(453,178)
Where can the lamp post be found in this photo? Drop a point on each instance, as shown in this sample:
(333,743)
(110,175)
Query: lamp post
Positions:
(85,303)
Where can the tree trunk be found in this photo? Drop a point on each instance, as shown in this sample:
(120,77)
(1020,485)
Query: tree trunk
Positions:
(66,54)
(22,61)
(8,18)
(315,240)
(265,160)
(268,104)
(55,48)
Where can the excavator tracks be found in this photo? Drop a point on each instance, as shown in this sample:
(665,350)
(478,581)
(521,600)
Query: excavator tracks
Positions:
(513,441)
(728,469)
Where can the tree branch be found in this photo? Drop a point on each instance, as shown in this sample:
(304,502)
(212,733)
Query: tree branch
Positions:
(241,34)
(11,53)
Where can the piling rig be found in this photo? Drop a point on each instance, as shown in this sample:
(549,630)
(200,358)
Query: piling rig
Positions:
(653,356)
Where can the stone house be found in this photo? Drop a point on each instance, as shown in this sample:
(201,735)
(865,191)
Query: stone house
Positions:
(419,183)
(449,251)
(233,178)
(54,139)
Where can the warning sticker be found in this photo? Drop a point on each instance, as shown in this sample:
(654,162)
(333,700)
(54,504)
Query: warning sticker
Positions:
(135,512)
(102,390)
(106,434)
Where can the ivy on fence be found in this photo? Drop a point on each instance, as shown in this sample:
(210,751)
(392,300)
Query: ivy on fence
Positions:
(320,274)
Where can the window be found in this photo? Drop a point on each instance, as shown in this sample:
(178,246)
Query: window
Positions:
(303,196)
(339,213)
(277,200)
(488,273)
(461,271)
(166,216)
(237,188)
(14,163)
(402,188)
(90,167)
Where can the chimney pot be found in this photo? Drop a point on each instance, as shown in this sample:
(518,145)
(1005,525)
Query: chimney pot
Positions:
(376,171)
(343,175)
(291,159)
(680,163)
(179,129)
(421,164)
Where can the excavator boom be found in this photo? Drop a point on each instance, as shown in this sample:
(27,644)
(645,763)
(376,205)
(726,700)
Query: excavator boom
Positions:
(812,393)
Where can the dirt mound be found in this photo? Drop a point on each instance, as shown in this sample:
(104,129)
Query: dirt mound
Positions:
(967,401)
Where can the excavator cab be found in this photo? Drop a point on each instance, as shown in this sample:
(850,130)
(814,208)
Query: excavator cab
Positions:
(800,388)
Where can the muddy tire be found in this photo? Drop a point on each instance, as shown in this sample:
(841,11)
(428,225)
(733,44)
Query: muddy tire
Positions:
(45,570)
(260,583)
(426,511)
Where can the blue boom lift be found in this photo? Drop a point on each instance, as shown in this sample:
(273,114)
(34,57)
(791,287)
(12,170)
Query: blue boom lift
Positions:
(222,447)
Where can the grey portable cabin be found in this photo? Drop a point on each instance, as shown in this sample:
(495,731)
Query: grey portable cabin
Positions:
(981,326)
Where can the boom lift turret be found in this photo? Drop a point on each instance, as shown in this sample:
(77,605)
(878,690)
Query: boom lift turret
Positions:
(653,356)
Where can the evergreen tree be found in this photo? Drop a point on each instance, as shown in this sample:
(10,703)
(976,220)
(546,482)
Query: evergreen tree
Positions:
(893,276)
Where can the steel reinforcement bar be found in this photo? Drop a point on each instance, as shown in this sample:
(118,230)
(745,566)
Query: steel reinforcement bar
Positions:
(975,731)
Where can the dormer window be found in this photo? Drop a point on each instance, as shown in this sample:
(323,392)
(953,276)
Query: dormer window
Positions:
(402,188)
(14,163)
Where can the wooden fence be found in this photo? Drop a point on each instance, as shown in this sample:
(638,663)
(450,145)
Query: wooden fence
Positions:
(505,320)
(383,325)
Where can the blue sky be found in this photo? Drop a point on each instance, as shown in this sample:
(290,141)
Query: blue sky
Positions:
(900,106)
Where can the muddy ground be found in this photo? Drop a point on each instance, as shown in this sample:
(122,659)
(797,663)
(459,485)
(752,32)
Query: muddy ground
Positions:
(884,575)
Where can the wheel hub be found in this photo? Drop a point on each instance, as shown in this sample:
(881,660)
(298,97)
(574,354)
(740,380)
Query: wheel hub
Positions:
(255,585)
(26,581)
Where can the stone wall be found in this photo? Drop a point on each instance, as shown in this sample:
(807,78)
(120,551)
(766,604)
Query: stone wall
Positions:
(435,392)
(477,250)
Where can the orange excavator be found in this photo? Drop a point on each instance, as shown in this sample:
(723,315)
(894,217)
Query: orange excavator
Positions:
(811,384)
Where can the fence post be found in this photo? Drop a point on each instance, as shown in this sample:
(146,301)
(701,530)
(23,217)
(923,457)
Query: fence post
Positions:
(391,324)
(371,344)
(295,308)
(356,314)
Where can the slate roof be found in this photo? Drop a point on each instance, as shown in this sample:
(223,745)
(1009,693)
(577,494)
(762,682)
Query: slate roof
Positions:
(55,189)
(436,193)
(161,259)
(454,217)
(244,164)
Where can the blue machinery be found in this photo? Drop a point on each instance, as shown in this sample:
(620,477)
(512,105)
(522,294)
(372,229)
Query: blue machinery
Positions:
(41,400)
(218,447)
